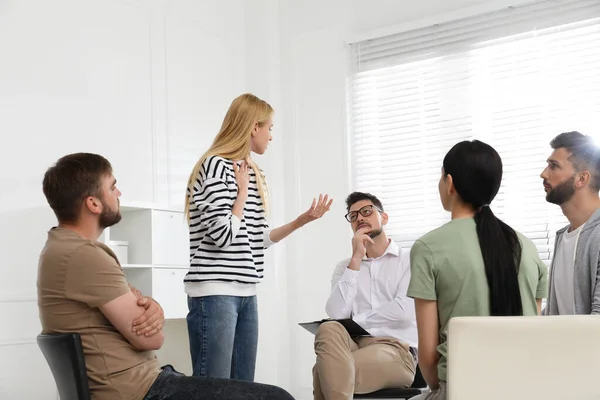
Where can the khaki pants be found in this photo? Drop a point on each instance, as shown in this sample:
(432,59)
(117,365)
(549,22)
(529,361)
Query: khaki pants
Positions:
(345,366)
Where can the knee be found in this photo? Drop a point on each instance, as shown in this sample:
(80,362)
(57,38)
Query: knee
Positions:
(329,329)
(329,334)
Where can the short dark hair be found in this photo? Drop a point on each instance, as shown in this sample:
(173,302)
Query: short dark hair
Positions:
(68,182)
(355,197)
(585,154)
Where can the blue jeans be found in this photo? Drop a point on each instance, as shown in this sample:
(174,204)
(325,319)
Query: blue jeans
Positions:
(223,333)
(172,385)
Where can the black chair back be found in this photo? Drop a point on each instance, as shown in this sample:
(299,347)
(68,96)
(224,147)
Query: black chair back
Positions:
(64,355)
(419,381)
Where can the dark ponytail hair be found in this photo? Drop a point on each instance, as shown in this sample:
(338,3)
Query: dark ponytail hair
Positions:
(476,170)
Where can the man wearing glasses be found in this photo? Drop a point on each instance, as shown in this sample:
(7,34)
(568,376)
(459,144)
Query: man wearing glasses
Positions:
(369,287)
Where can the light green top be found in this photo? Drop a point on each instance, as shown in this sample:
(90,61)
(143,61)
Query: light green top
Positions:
(447,266)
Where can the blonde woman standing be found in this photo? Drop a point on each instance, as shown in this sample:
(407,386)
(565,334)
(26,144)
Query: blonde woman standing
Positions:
(226,204)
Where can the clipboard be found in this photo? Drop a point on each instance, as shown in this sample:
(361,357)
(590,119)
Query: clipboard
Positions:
(353,329)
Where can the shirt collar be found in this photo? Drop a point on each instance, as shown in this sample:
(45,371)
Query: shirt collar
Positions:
(392,249)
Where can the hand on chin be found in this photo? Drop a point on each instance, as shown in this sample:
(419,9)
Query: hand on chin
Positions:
(365,228)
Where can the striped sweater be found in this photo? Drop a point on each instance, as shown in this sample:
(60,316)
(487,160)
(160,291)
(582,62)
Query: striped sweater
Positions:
(226,253)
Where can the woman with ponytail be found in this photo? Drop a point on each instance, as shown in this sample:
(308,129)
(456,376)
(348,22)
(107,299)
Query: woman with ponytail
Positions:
(226,205)
(475,265)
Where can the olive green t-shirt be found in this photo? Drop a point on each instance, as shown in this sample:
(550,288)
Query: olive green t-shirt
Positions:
(447,266)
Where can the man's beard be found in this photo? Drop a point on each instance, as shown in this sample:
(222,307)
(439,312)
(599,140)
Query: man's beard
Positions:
(562,192)
(375,233)
(108,217)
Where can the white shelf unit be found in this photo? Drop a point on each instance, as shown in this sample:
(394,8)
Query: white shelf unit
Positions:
(158,253)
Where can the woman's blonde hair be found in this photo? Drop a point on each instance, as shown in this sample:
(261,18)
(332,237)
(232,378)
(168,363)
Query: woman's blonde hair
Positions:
(233,141)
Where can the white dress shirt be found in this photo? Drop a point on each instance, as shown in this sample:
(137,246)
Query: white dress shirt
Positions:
(375,296)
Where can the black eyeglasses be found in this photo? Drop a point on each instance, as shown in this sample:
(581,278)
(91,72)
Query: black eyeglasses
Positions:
(365,211)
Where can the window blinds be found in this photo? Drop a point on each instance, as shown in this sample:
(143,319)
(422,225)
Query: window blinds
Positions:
(513,78)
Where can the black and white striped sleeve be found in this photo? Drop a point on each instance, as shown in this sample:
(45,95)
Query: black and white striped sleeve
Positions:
(214,200)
